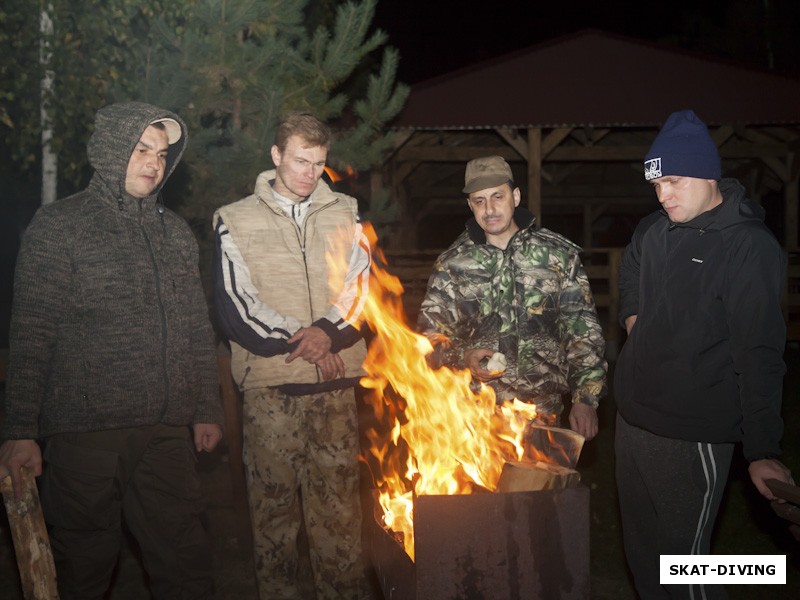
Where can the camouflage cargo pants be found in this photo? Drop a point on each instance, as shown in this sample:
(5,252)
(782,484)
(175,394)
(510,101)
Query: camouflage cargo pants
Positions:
(301,461)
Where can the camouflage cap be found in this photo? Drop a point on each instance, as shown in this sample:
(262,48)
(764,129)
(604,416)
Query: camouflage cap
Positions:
(486,172)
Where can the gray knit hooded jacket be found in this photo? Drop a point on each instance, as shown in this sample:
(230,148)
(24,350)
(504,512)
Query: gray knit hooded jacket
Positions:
(110,325)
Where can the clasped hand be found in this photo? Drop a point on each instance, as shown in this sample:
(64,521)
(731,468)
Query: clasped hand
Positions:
(314,347)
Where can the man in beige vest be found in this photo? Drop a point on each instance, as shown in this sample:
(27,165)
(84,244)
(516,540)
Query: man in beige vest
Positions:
(292,320)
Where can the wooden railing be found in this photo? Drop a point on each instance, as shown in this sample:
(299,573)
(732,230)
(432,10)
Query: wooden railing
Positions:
(602,268)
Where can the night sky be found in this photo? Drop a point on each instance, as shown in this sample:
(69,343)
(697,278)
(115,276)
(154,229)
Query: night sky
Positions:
(437,36)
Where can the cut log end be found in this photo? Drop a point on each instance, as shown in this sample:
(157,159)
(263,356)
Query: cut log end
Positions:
(525,477)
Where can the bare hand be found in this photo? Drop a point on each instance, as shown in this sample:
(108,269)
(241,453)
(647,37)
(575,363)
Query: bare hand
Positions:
(331,366)
(769,468)
(629,323)
(206,436)
(583,420)
(314,344)
(15,454)
(473,358)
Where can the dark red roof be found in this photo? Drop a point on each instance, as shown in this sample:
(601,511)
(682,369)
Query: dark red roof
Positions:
(599,79)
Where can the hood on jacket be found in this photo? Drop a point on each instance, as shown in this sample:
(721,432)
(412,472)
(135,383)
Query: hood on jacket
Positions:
(735,209)
(117,130)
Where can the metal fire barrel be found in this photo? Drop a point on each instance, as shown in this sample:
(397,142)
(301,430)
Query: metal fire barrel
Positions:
(531,545)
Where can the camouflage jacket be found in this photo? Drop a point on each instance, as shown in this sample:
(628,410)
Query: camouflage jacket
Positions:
(531,302)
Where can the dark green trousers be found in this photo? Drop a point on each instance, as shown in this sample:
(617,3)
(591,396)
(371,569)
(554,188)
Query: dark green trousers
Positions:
(144,475)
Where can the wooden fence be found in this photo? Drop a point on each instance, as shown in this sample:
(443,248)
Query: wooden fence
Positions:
(602,268)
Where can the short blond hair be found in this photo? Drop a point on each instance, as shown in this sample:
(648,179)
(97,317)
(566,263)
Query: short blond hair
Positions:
(303,124)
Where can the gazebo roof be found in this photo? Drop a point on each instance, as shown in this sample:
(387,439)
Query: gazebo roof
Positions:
(592,78)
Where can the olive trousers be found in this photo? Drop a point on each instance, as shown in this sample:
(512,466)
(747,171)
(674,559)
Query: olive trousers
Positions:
(145,476)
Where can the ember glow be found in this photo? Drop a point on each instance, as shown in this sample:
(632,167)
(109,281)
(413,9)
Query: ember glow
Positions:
(438,435)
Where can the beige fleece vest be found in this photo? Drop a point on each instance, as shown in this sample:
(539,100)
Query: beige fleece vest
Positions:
(293,282)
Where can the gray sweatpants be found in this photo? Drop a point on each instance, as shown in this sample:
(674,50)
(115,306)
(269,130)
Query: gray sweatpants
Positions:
(669,495)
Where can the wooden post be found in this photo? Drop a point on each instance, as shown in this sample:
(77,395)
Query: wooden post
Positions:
(790,196)
(614,333)
(535,173)
(232,409)
(37,570)
(588,217)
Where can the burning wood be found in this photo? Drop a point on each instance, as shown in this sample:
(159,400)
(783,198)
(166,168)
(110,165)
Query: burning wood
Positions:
(554,445)
(441,435)
(520,477)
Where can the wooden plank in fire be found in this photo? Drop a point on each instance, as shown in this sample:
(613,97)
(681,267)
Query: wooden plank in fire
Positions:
(533,477)
(559,445)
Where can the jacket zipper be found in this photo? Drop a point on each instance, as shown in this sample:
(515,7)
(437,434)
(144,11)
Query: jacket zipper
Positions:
(301,240)
(162,315)
(305,266)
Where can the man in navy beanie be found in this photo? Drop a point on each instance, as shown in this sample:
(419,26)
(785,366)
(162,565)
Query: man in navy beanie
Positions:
(702,368)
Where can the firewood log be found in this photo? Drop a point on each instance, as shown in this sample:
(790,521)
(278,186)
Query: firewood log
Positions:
(37,570)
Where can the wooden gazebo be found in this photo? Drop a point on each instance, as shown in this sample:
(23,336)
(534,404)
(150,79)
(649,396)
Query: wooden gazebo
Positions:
(574,117)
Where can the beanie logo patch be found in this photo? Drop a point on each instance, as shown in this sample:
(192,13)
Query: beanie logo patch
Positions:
(652,169)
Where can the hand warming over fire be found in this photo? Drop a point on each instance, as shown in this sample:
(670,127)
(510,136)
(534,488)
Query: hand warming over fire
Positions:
(583,420)
(331,366)
(769,468)
(314,344)
(472,360)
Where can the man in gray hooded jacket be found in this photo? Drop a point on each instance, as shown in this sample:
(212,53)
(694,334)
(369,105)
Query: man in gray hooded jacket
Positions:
(111,362)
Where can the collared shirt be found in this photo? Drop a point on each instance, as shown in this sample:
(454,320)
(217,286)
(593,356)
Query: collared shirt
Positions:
(293,209)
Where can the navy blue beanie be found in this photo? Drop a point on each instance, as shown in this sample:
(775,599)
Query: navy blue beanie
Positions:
(683,148)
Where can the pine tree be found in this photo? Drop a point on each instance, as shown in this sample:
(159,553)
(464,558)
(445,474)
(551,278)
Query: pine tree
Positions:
(99,54)
(230,68)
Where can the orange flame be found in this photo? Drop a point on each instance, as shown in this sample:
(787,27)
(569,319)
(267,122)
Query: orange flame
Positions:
(439,435)
(336,176)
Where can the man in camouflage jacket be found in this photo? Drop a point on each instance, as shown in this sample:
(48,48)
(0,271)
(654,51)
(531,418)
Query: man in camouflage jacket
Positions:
(506,287)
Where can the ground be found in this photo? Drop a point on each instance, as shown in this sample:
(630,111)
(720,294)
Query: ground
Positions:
(746,525)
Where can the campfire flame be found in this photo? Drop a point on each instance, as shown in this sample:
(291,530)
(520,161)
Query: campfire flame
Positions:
(335,176)
(438,435)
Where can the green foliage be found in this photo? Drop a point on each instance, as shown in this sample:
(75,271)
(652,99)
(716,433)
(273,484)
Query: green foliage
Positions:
(19,83)
(96,52)
(382,213)
(230,69)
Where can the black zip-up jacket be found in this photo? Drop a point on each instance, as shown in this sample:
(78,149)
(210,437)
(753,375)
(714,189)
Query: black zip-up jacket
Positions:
(110,325)
(704,361)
